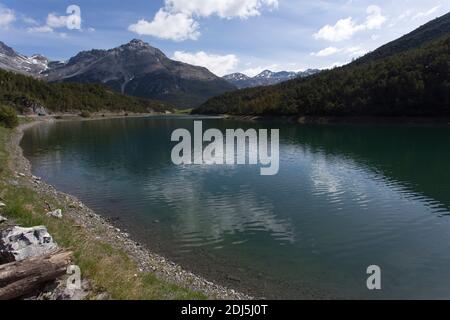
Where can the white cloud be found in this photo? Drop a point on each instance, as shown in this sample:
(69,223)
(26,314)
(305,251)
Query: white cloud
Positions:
(177,20)
(426,13)
(71,21)
(374,19)
(326,52)
(223,8)
(55,21)
(41,29)
(356,51)
(177,27)
(6,17)
(344,29)
(219,65)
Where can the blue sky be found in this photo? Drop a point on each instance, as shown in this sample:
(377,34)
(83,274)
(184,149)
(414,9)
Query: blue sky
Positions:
(223,35)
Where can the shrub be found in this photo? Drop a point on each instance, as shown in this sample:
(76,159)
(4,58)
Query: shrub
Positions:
(85,114)
(8,117)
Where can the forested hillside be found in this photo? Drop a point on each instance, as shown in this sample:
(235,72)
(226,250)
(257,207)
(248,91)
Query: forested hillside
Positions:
(24,93)
(411,83)
(430,31)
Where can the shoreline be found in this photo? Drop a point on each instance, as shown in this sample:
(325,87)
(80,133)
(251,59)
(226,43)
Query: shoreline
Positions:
(353,120)
(101,229)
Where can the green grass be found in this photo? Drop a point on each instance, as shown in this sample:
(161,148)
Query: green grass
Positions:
(107,268)
(183,111)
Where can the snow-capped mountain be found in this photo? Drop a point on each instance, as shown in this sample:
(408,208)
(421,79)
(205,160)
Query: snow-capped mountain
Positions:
(236,77)
(12,61)
(284,75)
(135,69)
(138,69)
(266,78)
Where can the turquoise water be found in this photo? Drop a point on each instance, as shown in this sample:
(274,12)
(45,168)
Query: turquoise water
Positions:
(346,197)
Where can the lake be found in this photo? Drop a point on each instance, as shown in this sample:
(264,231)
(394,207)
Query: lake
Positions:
(346,197)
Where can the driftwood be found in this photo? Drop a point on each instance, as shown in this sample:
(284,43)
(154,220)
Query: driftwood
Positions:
(20,278)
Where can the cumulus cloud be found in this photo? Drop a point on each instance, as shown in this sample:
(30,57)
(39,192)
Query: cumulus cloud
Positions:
(218,64)
(177,27)
(223,8)
(6,16)
(178,19)
(375,19)
(344,29)
(55,21)
(71,21)
(326,52)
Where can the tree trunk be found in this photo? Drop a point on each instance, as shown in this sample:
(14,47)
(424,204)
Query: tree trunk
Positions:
(20,278)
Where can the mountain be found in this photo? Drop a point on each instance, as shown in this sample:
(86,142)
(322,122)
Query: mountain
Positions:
(414,81)
(236,77)
(12,61)
(140,70)
(432,30)
(30,95)
(266,78)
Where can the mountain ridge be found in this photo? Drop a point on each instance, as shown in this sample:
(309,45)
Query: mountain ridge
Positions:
(140,70)
(135,68)
(10,60)
(430,31)
(266,78)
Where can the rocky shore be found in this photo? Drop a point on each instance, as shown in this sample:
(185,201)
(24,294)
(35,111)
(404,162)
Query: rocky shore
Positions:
(99,229)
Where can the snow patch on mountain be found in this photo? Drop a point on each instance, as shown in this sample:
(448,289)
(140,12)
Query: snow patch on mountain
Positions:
(266,78)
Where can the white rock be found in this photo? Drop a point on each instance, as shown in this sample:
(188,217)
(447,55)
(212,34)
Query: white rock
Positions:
(3,219)
(2,204)
(56,214)
(18,243)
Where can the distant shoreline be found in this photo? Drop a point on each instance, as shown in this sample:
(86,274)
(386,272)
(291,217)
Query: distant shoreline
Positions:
(337,119)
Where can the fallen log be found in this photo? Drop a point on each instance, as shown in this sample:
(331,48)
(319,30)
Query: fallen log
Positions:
(20,278)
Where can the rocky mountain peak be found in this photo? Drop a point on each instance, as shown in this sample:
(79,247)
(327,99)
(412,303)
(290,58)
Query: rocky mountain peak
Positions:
(12,61)
(8,51)
(236,77)
(135,68)
(266,78)
(265,74)
(40,58)
(138,43)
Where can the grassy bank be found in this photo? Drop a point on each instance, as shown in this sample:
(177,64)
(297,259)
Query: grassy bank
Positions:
(107,268)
